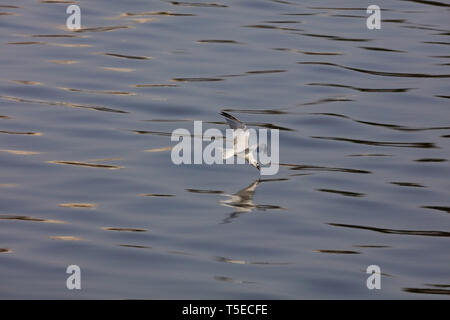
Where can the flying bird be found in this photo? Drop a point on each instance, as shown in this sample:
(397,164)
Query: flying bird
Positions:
(241,146)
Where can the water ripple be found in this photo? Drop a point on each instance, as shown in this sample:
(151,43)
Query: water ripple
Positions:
(427,233)
(380,73)
(319,168)
(197,79)
(439,208)
(124,56)
(28,133)
(102,29)
(338,251)
(156,13)
(313,53)
(79,205)
(198,4)
(61,103)
(343,193)
(124,229)
(408,184)
(86,164)
(336,85)
(426,145)
(219,41)
(236,261)
(335,38)
(431,3)
(427,291)
(28,218)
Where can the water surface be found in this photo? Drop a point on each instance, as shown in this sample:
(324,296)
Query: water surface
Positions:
(85,170)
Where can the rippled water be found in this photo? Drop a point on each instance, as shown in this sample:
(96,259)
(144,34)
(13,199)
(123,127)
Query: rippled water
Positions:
(85,170)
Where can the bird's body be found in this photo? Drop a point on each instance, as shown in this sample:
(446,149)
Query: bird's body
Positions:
(241,146)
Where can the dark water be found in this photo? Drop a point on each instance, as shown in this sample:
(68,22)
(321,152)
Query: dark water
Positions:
(85,170)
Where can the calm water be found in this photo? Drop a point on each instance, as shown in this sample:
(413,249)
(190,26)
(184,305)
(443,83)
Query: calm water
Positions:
(85,170)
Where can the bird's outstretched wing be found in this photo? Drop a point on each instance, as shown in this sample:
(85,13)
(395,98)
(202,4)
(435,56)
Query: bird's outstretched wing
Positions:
(227,153)
(233,122)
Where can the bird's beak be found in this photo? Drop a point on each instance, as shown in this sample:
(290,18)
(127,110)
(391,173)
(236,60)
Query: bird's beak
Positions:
(258,167)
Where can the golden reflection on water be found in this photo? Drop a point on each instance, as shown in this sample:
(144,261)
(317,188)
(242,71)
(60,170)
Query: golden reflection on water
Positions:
(19,152)
(5,250)
(67,62)
(159,149)
(116,69)
(8,185)
(65,238)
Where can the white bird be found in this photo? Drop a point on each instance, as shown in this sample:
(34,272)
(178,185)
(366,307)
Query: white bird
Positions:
(240,143)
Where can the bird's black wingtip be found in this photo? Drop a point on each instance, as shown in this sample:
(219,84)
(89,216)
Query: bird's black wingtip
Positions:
(229,116)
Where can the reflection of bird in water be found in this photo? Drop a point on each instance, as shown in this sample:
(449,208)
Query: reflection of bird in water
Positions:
(242,201)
